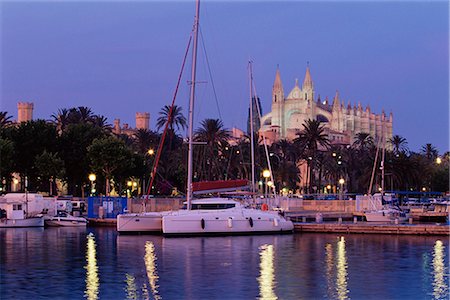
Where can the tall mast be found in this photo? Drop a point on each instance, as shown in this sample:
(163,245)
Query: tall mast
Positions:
(252,150)
(383,138)
(191,108)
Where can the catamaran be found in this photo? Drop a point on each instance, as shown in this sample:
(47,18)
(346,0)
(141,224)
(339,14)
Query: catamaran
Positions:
(216,215)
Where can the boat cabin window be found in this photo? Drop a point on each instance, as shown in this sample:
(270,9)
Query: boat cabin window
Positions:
(17,206)
(211,206)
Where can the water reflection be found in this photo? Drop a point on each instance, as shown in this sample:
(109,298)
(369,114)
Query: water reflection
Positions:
(329,269)
(341,276)
(92,281)
(440,287)
(131,288)
(267,277)
(150,266)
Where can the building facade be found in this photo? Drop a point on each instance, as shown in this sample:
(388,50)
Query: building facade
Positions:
(342,123)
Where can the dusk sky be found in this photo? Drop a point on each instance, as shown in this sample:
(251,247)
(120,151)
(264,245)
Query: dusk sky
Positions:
(123,57)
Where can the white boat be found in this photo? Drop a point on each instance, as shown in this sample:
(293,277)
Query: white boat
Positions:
(140,222)
(64,219)
(13,214)
(223,216)
(388,214)
(216,215)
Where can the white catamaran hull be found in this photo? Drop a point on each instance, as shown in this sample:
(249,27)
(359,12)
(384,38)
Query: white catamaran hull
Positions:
(143,222)
(230,221)
(28,222)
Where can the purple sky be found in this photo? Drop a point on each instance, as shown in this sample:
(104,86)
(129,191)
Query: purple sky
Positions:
(122,57)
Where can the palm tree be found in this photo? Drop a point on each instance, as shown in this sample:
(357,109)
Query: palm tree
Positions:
(61,119)
(399,144)
(177,119)
(429,151)
(5,120)
(102,122)
(216,138)
(310,139)
(363,141)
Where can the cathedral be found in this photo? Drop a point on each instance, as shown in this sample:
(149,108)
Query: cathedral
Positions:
(342,123)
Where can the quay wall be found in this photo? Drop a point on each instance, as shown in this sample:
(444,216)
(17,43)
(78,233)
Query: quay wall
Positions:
(364,228)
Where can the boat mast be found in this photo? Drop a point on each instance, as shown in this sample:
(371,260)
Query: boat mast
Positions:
(191,108)
(383,138)
(252,150)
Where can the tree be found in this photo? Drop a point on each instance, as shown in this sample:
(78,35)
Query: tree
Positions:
(216,138)
(399,144)
(429,151)
(110,157)
(5,120)
(49,168)
(6,161)
(72,147)
(310,139)
(177,120)
(363,141)
(31,139)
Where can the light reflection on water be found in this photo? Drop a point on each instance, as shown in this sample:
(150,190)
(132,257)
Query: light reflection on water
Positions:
(341,265)
(95,263)
(150,265)
(266,278)
(440,278)
(92,280)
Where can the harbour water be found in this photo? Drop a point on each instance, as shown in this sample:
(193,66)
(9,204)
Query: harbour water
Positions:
(96,263)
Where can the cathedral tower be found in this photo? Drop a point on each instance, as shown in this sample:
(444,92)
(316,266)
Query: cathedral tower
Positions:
(277,102)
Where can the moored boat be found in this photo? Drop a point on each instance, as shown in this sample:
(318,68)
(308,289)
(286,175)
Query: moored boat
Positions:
(13,214)
(223,216)
(64,219)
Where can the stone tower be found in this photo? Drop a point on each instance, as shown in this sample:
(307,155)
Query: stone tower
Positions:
(142,120)
(24,111)
(277,102)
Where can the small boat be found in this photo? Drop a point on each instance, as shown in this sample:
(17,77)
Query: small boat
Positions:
(387,214)
(13,214)
(223,216)
(64,219)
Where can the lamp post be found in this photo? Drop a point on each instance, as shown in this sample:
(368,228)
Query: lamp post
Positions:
(266,175)
(92,178)
(341,182)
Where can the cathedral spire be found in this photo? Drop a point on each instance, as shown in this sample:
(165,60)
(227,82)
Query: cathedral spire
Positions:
(277,85)
(336,99)
(277,89)
(307,83)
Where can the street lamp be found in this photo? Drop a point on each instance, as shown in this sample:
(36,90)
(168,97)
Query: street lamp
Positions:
(341,182)
(151,151)
(266,175)
(92,178)
(438,160)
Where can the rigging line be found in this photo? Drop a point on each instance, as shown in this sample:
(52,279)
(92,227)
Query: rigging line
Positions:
(266,150)
(210,73)
(169,117)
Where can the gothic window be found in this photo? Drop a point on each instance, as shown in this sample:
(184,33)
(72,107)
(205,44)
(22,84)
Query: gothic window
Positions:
(275,98)
(306,96)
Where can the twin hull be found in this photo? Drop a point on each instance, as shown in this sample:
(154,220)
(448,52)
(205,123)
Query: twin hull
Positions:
(224,222)
(144,222)
(204,222)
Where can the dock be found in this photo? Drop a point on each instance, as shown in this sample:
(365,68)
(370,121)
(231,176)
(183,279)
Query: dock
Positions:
(372,228)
